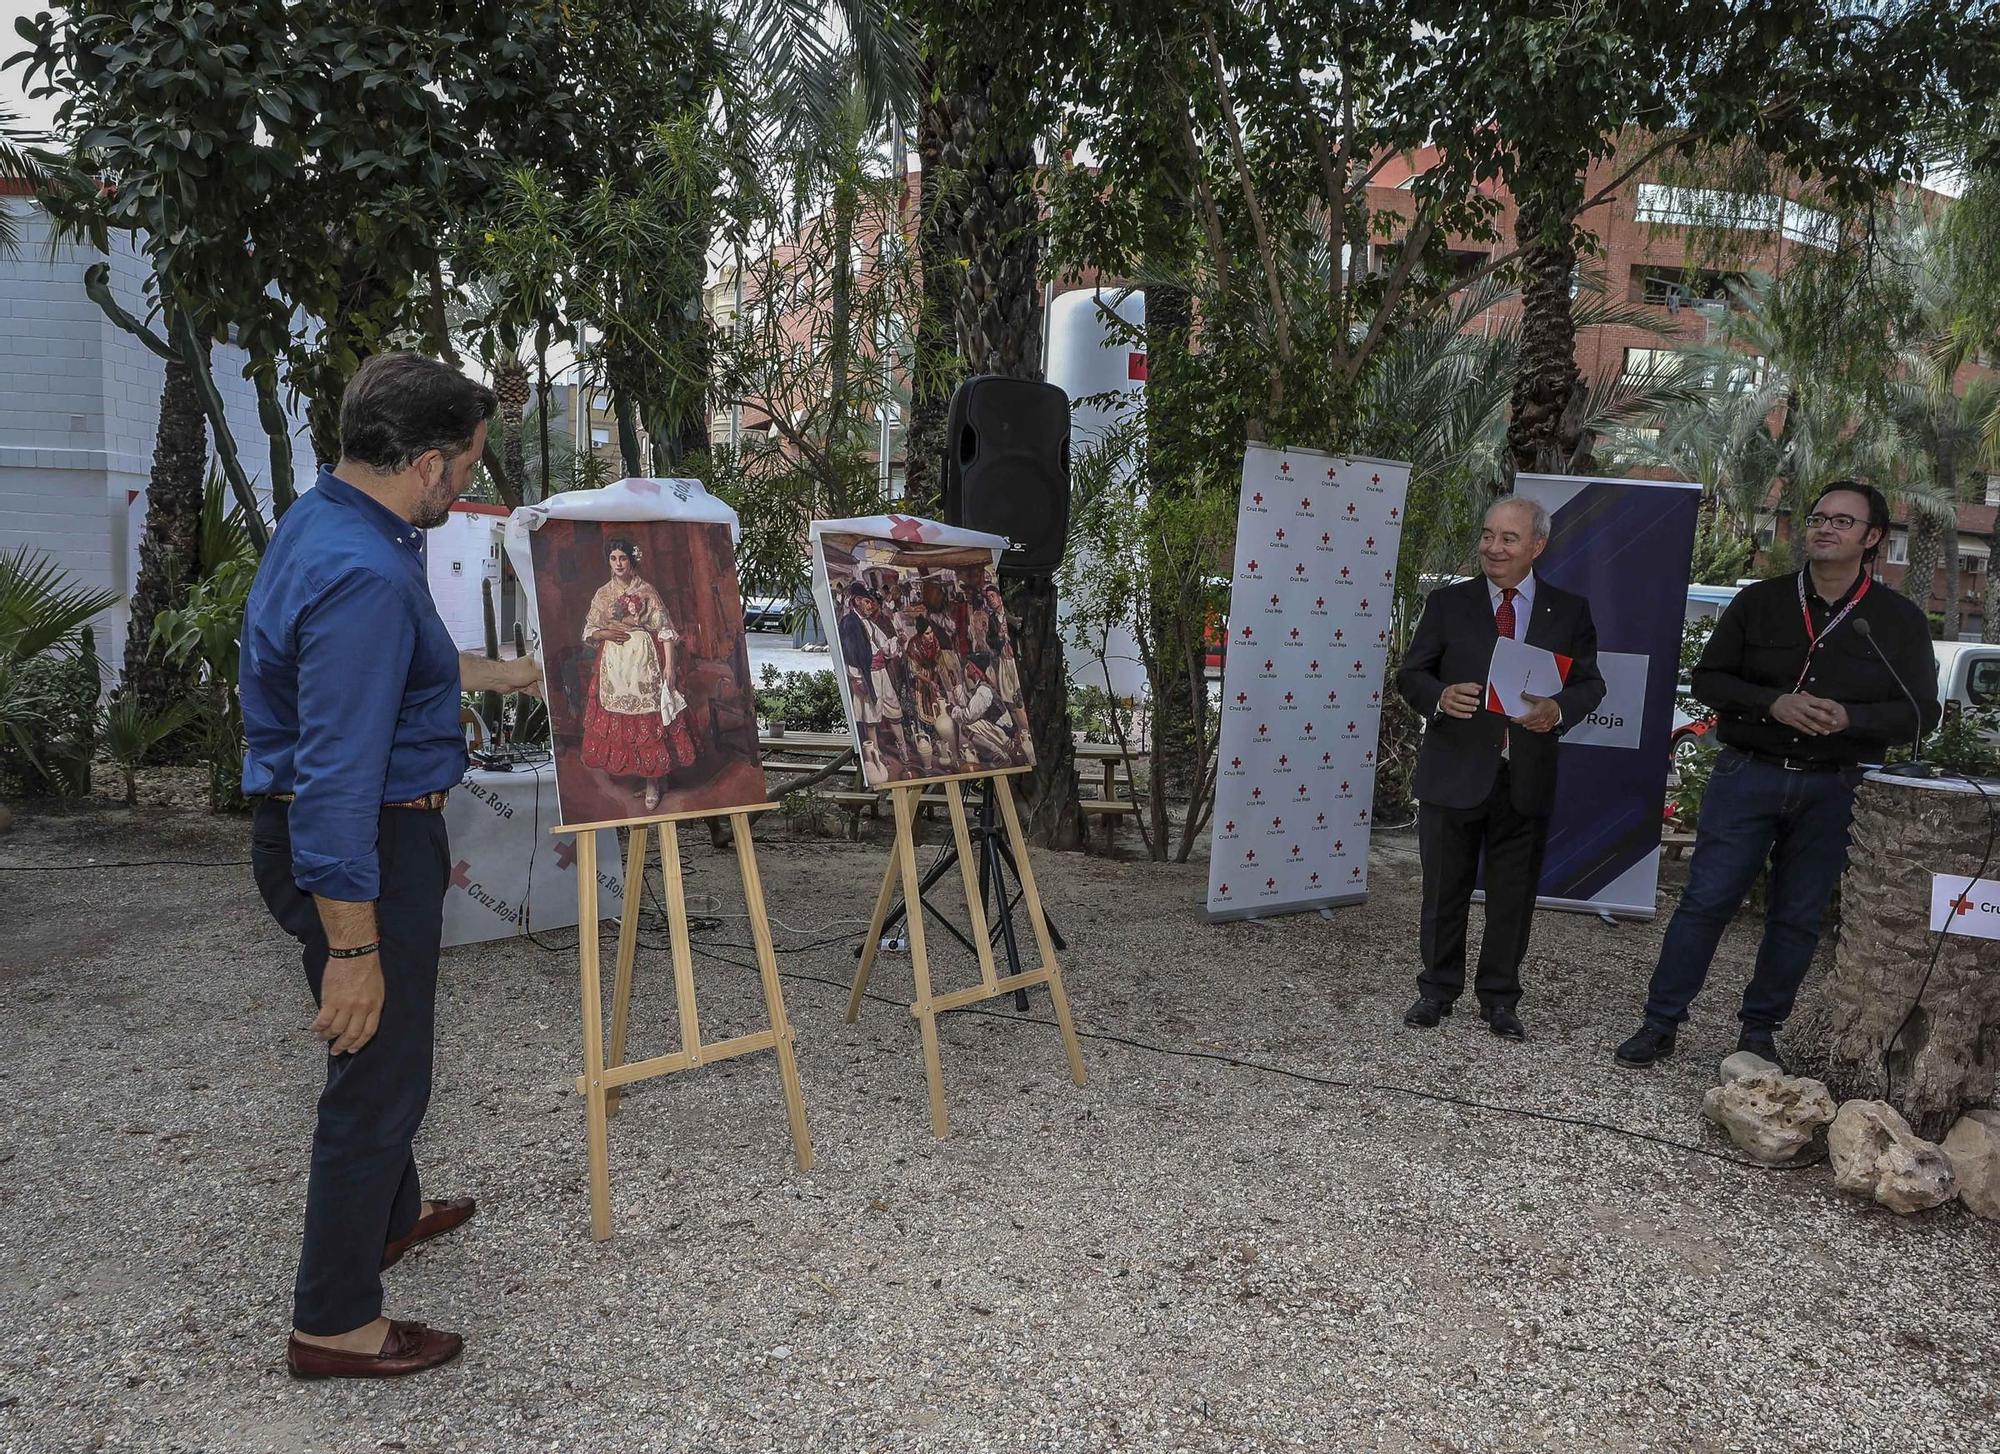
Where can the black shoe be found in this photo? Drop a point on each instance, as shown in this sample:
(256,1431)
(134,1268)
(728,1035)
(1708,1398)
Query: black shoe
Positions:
(1425,1013)
(1764,1043)
(1651,1043)
(1504,1023)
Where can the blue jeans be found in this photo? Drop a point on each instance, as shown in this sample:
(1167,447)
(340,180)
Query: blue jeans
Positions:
(1754,811)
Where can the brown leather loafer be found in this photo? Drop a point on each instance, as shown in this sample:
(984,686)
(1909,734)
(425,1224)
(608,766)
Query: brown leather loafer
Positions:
(409,1348)
(454,1213)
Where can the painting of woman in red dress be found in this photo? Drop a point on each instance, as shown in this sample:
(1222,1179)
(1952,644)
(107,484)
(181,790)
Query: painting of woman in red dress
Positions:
(635,720)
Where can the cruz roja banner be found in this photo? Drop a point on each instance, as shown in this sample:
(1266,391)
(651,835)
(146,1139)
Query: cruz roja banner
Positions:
(1302,680)
(1624,545)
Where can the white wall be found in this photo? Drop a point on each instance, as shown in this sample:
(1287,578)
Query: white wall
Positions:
(79,407)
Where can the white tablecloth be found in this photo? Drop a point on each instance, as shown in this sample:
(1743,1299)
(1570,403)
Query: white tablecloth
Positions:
(503,856)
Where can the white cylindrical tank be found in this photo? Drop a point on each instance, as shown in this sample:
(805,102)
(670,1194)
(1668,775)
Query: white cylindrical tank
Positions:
(1095,351)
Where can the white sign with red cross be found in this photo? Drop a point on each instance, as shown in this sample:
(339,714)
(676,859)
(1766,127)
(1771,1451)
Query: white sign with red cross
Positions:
(1965,906)
(1302,680)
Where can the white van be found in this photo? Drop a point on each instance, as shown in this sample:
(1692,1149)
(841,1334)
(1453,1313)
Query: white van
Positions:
(1969,674)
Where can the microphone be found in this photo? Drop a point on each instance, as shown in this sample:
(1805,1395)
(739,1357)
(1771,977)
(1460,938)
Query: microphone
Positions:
(1915,766)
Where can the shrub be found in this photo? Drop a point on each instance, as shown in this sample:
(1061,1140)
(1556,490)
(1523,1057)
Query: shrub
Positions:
(806,700)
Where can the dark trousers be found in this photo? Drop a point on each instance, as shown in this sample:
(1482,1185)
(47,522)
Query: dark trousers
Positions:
(363,1192)
(1752,812)
(1451,841)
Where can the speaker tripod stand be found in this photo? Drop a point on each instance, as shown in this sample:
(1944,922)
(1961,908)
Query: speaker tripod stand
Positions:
(996,863)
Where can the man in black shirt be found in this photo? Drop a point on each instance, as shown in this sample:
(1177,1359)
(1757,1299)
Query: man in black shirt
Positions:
(1803,698)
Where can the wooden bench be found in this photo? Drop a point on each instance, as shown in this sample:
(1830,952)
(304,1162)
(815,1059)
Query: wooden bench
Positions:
(1675,844)
(852,804)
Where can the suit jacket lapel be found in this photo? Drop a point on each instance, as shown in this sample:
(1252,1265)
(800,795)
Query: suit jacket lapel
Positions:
(1539,621)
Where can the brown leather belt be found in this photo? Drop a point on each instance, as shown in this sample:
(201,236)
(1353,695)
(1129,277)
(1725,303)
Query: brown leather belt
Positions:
(429,802)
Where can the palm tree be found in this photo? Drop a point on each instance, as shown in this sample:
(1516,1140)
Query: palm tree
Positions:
(17,164)
(1954,425)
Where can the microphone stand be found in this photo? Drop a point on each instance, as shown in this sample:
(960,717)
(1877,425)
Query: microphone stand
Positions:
(1915,766)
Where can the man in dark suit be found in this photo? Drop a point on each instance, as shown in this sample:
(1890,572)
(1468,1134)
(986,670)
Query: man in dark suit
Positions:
(1484,781)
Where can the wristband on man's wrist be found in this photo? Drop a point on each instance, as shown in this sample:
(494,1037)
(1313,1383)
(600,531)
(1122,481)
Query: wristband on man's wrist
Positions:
(360,951)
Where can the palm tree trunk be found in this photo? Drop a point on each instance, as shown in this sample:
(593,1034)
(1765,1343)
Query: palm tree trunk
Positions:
(1947,484)
(1989,628)
(1926,540)
(935,365)
(1545,424)
(999,309)
(511,386)
(170,547)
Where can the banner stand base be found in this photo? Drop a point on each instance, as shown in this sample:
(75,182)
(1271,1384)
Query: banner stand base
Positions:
(1627,913)
(1290,906)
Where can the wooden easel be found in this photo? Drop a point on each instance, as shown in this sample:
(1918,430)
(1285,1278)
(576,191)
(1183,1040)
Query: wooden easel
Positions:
(602,1080)
(906,798)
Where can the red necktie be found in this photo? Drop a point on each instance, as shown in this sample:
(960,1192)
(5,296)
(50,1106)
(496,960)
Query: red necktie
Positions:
(1504,617)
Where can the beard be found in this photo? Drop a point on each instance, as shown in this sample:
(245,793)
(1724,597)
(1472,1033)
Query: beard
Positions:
(434,509)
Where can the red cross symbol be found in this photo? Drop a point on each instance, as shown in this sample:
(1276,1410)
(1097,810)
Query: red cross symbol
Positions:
(1338,846)
(1343,787)
(1230,826)
(1395,514)
(1350,509)
(461,875)
(1375,698)
(1299,569)
(1364,603)
(1315,878)
(1962,905)
(1329,471)
(1274,600)
(1302,790)
(1357,871)
(1284,467)
(905,529)
(1253,565)
(1281,533)
(1256,499)
(1368,756)
(1345,572)
(1295,633)
(565,852)
(1277,822)
(1288,700)
(1267,660)
(1270,883)
(1382,637)
(1386,575)
(1326,759)
(1309,726)
(1236,762)
(1333,699)
(1350,726)
(1295,850)
(1246,633)
(1321,820)
(1284,761)
(1256,795)
(1374,479)
(1325,539)
(1305,504)
(1371,542)
(1242,697)
(1250,856)
(1262,729)
(1224,891)
(1357,666)
(1364,811)
(1315,666)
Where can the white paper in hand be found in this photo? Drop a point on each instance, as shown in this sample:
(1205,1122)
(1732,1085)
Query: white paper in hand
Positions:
(1519,670)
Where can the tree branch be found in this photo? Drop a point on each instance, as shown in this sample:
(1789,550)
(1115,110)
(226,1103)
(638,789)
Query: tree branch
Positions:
(1266,254)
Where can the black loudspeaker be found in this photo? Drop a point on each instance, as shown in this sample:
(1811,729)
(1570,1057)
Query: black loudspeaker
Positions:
(1006,467)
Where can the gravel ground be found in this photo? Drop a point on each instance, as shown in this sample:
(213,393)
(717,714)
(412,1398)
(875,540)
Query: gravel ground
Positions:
(1185,1255)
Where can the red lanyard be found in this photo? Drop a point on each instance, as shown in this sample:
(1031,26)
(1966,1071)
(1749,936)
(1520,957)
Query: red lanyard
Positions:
(1813,637)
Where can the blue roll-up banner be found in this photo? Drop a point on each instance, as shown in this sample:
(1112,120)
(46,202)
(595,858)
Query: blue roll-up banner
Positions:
(1625,545)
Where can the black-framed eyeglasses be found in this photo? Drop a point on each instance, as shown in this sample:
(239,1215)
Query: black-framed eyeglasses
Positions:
(1839,522)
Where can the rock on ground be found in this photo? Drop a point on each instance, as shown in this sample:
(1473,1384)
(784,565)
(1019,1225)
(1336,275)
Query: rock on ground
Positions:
(1875,1153)
(1974,1148)
(1771,1116)
(1741,1063)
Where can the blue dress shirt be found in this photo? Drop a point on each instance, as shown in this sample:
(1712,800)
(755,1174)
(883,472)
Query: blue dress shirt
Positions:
(349,682)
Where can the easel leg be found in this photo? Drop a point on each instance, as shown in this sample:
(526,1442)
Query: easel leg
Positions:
(774,996)
(906,859)
(594,1098)
(628,943)
(874,940)
(1031,898)
(677,936)
(975,895)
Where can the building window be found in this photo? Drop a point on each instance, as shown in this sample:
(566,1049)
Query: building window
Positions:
(599,438)
(1677,288)
(1971,562)
(1993,489)
(1899,548)
(1648,360)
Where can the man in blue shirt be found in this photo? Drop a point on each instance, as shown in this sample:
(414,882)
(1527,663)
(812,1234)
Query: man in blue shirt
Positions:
(350,688)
